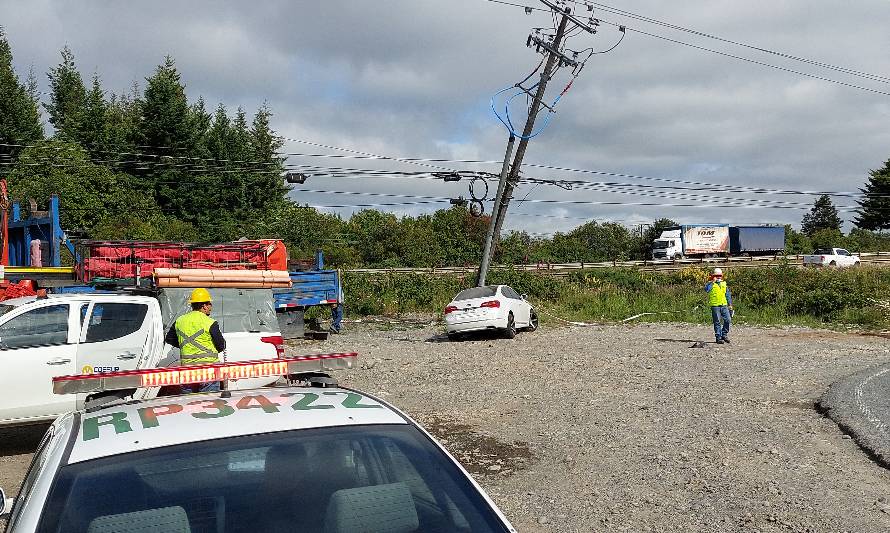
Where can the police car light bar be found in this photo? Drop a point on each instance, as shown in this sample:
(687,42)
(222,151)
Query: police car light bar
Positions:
(184,375)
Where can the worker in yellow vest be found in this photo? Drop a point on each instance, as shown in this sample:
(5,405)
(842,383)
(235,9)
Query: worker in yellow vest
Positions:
(720,300)
(198,337)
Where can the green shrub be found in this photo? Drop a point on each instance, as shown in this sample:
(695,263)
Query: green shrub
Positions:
(765,295)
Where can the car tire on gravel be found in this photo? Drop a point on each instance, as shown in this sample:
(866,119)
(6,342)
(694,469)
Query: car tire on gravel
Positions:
(532,322)
(510,331)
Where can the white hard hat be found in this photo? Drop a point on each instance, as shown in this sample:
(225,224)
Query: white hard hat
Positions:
(718,272)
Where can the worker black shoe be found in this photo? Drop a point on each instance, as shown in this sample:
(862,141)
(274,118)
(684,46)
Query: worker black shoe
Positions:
(719,341)
(726,340)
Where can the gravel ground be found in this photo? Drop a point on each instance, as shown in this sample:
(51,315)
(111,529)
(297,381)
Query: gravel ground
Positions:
(616,428)
(626,428)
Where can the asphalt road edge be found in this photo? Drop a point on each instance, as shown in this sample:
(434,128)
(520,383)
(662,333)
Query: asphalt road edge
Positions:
(843,403)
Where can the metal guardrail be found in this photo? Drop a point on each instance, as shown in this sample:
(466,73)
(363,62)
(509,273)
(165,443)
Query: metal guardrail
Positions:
(646,265)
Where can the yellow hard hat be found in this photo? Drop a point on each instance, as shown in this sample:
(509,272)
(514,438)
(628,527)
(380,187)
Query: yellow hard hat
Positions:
(200,296)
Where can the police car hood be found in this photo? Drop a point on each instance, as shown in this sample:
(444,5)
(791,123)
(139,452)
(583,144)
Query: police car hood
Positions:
(175,420)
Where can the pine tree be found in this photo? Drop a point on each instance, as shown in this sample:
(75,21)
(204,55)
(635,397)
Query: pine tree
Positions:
(67,99)
(93,128)
(19,115)
(264,144)
(199,123)
(165,124)
(267,162)
(218,134)
(822,216)
(874,209)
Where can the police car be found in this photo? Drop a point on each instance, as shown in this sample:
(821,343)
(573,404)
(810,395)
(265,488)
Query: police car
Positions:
(306,456)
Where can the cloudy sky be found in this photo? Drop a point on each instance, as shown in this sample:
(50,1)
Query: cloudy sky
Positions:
(414,78)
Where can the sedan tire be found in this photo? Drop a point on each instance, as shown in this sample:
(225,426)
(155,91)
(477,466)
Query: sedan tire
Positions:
(532,321)
(510,332)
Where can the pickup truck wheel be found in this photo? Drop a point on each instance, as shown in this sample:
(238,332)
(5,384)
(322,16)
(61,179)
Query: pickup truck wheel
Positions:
(510,331)
(832,264)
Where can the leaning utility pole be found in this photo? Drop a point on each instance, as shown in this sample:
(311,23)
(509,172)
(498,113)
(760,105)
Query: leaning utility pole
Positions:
(509,177)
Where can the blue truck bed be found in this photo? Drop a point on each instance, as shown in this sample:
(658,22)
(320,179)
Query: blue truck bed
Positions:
(314,287)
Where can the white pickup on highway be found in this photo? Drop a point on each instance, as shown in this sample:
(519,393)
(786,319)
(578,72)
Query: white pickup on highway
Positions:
(833,257)
(98,333)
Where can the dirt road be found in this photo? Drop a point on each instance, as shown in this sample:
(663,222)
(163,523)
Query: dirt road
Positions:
(614,428)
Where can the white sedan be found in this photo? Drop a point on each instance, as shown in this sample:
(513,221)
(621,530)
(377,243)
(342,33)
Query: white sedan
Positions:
(492,307)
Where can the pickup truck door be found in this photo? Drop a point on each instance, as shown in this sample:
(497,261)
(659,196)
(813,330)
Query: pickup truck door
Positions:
(116,334)
(37,343)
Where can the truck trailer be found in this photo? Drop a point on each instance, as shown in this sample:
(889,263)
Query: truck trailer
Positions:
(756,240)
(718,240)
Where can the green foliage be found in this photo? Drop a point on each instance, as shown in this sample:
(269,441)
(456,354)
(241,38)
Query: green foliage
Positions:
(91,192)
(823,216)
(68,96)
(767,295)
(796,243)
(19,115)
(874,212)
(826,238)
(164,124)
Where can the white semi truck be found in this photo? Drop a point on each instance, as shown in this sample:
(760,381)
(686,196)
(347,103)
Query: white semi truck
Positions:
(718,240)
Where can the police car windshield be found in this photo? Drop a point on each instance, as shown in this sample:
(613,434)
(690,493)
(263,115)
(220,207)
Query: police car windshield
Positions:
(382,477)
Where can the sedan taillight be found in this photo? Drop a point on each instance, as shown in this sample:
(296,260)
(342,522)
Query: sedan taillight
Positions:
(491,303)
(450,308)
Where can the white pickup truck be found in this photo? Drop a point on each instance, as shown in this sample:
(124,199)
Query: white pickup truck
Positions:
(833,257)
(94,333)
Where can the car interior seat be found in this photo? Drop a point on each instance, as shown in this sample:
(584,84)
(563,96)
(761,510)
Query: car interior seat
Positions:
(382,508)
(165,519)
(100,494)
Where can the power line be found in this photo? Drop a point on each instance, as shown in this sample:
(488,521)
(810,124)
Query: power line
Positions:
(344,172)
(732,56)
(752,189)
(829,66)
(366,155)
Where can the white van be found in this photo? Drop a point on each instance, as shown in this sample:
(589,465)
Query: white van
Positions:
(41,338)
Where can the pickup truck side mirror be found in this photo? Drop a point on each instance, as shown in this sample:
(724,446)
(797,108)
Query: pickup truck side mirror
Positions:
(5,505)
(524,296)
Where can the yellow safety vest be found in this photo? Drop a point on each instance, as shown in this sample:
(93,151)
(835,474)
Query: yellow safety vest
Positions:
(717,295)
(195,343)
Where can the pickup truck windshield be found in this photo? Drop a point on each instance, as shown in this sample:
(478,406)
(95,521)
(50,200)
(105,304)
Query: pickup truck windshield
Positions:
(382,477)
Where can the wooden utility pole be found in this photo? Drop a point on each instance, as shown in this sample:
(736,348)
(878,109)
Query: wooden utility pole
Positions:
(510,177)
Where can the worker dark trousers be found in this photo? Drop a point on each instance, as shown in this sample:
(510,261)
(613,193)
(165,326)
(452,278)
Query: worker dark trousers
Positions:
(336,317)
(719,312)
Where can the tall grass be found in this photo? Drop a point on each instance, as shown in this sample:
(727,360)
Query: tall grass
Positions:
(767,295)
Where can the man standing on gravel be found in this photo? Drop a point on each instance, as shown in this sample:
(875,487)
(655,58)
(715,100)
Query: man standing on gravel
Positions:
(720,300)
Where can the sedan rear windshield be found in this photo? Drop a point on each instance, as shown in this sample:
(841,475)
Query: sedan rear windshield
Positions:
(477,292)
(374,478)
